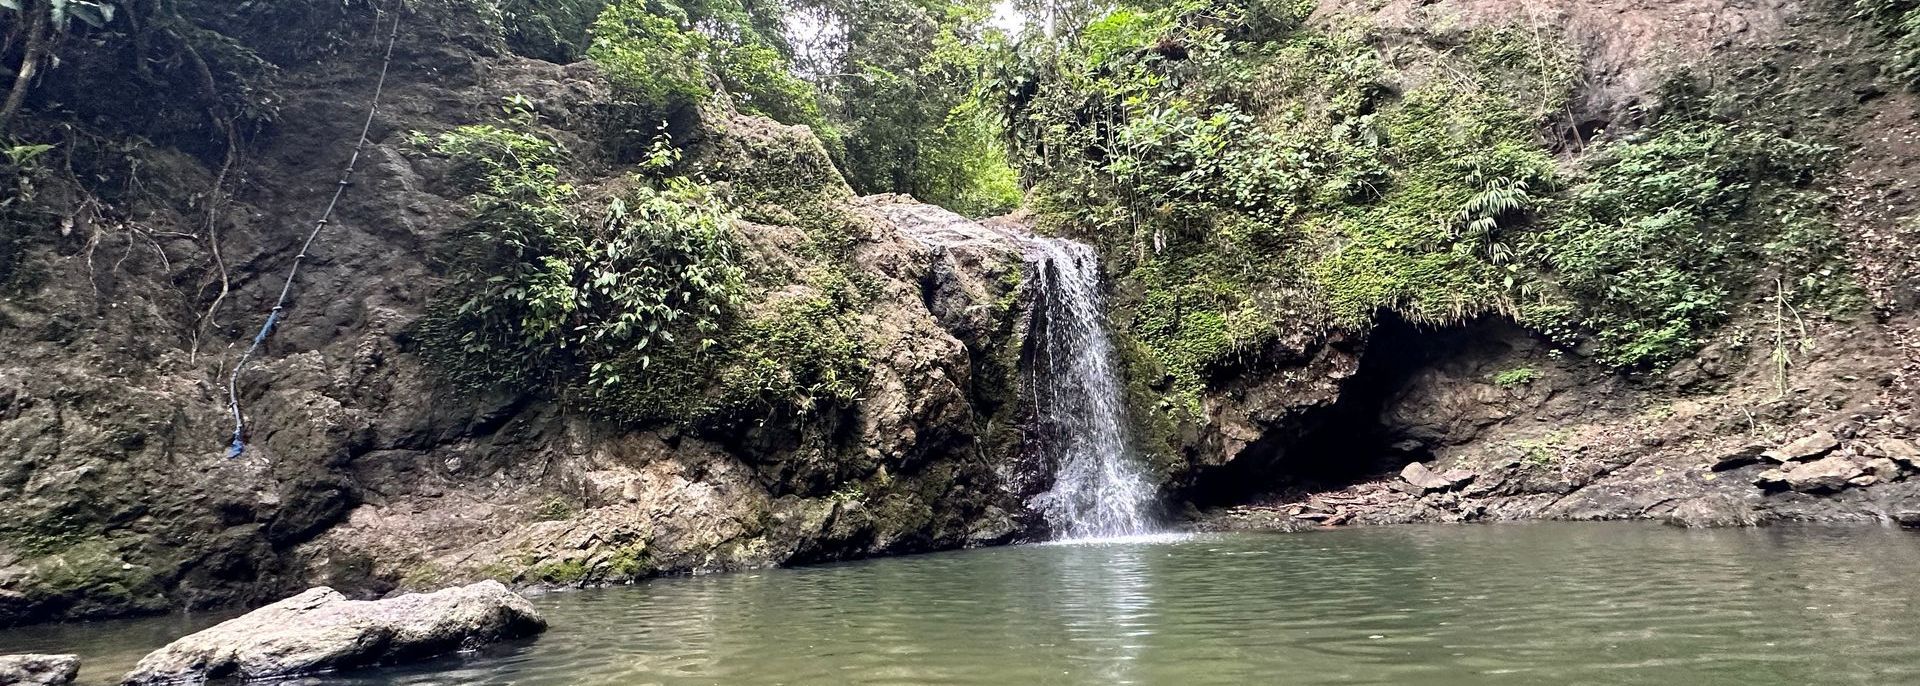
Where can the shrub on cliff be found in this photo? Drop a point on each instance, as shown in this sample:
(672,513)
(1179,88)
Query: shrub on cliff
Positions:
(1899,22)
(1668,228)
(667,55)
(550,293)
(633,301)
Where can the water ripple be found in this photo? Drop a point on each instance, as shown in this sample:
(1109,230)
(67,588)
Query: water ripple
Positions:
(1529,604)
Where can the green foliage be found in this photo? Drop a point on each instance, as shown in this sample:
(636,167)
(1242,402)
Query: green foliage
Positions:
(1516,377)
(895,104)
(651,57)
(668,55)
(544,295)
(638,308)
(1435,246)
(805,352)
(801,354)
(1668,229)
(552,30)
(901,85)
(762,81)
(1250,175)
(1899,22)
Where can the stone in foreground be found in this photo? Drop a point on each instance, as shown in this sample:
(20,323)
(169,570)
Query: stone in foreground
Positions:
(321,630)
(38,670)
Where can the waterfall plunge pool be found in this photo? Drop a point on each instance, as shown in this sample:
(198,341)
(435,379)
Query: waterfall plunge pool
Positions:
(1546,603)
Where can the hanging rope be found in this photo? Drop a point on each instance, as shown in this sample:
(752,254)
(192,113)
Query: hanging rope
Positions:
(239,444)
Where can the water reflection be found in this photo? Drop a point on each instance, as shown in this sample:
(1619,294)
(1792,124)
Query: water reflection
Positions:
(1105,606)
(1532,604)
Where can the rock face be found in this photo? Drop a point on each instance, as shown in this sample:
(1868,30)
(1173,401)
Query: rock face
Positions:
(38,670)
(320,630)
(366,473)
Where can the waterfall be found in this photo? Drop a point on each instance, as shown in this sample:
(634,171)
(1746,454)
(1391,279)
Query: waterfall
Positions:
(1097,488)
(1097,491)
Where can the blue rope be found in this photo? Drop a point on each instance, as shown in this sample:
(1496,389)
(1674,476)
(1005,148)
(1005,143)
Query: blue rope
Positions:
(239,443)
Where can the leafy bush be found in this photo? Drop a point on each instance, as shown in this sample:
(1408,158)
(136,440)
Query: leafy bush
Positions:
(552,30)
(651,57)
(1653,246)
(547,296)
(1518,376)
(1899,21)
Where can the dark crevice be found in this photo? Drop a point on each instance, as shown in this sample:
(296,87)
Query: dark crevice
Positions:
(1354,440)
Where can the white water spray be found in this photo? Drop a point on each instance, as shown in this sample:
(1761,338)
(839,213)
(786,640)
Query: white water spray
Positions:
(1098,491)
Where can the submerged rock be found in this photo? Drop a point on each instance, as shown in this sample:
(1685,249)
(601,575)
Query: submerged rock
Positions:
(1909,519)
(321,630)
(38,670)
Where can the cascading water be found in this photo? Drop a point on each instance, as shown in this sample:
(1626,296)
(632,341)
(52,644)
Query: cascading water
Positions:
(1097,488)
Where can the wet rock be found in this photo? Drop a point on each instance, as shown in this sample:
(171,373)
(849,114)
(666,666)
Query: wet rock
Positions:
(1908,520)
(1826,475)
(1808,448)
(38,670)
(1712,512)
(1428,481)
(321,630)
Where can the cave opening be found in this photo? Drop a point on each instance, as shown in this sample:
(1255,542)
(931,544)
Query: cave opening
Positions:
(1361,437)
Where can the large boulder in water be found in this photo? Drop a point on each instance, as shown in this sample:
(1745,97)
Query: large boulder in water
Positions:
(38,670)
(321,630)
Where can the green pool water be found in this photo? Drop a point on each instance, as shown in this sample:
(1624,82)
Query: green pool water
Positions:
(1508,604)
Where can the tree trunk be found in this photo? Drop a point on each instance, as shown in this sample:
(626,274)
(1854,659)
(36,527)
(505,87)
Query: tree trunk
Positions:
(36,16)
